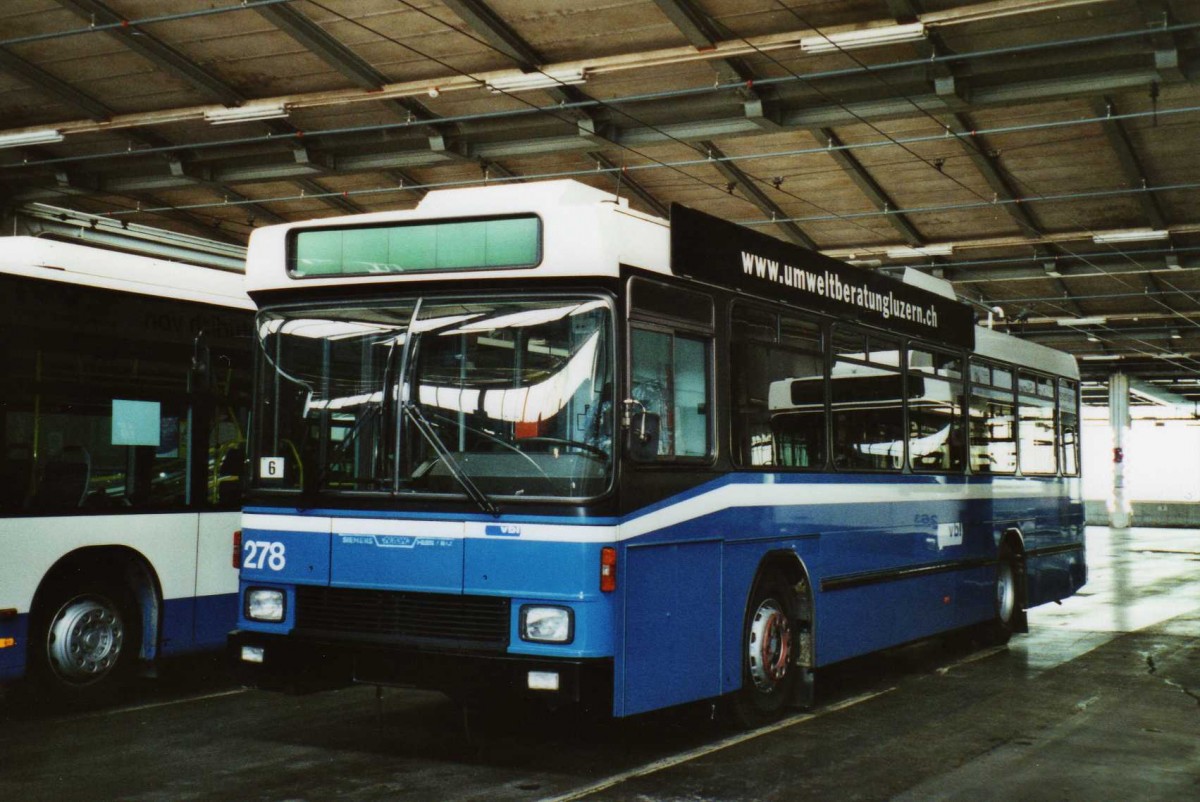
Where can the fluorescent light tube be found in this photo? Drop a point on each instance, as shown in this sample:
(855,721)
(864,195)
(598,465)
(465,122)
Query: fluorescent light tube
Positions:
(46,136)
(863,37)
(525,81)
(1081,321)
(924,250)
(1100,357)
(247,113)
(1132,235)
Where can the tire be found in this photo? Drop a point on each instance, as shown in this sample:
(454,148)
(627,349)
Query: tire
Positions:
(85,641)
(1006,598)
(768,648)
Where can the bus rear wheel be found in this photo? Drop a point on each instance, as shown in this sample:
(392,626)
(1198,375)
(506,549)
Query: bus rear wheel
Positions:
(85,641)
(768,651)
(1007,599)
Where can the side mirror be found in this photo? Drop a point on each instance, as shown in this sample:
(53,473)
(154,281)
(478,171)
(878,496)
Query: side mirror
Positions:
(642,435)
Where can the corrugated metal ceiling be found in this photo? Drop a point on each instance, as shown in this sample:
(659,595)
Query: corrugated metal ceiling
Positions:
(1012,130)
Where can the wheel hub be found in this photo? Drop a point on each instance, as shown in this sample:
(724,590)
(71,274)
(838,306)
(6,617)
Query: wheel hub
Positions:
(85,640)
(770,645)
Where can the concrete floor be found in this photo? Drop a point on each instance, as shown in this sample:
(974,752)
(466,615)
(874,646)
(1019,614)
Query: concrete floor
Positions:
(1100,701)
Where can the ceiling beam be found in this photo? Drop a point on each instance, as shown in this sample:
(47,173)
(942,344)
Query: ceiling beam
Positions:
(485,22)
(1132,168)
(987,162)
(60,90)
(904,95)
(320,43)
(142,42)
(869,186)
(751,190)
(501,36)
(98,110)
(703,34)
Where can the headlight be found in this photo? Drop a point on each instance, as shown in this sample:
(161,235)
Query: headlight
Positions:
(264,604)
(547,624)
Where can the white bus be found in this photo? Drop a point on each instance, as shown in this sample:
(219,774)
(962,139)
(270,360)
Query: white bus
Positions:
(123,384)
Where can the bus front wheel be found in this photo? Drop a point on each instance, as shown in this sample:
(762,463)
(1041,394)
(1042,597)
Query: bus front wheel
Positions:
(86,641)
(768,646)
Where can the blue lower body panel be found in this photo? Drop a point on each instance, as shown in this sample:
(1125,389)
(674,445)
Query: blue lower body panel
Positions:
(12,657)
(197,624)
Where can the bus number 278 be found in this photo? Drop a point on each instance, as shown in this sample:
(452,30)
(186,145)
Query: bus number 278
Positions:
(262,554)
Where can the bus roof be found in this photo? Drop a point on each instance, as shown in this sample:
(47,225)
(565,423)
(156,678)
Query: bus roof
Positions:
(1007,348)
(96,267)
(586,232)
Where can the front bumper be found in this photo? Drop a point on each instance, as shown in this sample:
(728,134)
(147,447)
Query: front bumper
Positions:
(296,664)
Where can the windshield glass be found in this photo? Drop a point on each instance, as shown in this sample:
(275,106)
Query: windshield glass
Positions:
(513,397)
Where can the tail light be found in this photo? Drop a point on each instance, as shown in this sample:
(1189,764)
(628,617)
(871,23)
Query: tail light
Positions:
(237,549)
(608,569)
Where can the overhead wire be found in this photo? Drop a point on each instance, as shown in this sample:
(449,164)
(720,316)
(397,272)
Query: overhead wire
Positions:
(126,24)
(972,144)
(627,148)
(601,103)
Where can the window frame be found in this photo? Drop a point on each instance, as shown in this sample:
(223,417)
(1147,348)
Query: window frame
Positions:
(963,417)
(694,333)
(779,313)
(869,336)
(972,387)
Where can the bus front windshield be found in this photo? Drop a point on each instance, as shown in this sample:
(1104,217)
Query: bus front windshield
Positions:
(496,398)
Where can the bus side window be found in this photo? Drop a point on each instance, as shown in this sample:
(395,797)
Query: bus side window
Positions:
(64,479)
(777,372)
(991,424)
(867,401)
(15,473)
(670,386)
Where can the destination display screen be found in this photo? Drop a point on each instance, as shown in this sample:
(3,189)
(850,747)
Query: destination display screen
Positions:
(417,247)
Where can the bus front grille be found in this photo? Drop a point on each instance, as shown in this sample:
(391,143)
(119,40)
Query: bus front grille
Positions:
(399,617)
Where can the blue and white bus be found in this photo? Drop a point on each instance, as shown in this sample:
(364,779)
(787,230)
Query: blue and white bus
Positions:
(527,437)
(124,390)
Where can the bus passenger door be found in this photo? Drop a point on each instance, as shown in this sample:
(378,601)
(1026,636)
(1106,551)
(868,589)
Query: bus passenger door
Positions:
(671,649)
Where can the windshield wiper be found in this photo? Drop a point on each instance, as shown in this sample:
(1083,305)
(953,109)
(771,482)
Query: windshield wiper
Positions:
(422,425)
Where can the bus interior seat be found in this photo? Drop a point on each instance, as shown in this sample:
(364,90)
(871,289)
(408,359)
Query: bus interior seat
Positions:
(64,480)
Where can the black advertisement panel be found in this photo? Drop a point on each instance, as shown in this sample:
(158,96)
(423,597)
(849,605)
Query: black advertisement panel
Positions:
(723,253)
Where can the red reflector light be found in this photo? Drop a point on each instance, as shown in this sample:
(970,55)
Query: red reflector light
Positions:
(608,569)
(237,549)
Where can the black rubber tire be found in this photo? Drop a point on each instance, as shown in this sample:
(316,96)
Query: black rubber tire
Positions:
(85,637)
(767,687)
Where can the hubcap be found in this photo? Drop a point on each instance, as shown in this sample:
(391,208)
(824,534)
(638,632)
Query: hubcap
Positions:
(770,645)
(1006,593)
(85,640)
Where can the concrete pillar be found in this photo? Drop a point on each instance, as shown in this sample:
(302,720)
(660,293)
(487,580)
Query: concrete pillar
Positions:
(1118,419)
